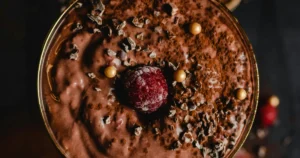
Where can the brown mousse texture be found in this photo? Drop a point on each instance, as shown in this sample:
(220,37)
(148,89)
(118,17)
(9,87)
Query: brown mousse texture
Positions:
(88,113)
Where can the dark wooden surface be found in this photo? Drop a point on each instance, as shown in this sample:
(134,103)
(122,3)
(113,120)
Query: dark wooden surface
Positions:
(273,27)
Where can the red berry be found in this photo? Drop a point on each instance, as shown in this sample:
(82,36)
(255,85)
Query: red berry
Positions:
(146,88)
(268,115)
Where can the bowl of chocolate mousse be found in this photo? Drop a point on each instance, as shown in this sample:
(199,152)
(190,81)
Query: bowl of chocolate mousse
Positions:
(147,78)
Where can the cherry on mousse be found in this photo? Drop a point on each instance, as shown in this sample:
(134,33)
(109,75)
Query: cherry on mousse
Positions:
(146,88)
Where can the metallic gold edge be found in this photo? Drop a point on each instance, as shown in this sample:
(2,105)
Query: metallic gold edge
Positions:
(224,9)
(253,61)
(40,74)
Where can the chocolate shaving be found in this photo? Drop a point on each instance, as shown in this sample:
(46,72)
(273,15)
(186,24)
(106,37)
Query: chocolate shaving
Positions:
(172,112)
(184,106)
(138,48)
(187,137)
(189,127)
(138,22)
(96,19)
(121,33)
(91,75)
(156,13)
(131,43)
(107,120)
(147,21)
(78,26)
(156,131)
(192,107)
(196,144)
(158,29)
(111,53)
(121,25)
(96,30)
(170,35)
(175,145)
(97,89)
(152,55)
(98,6)
(106,30)
(174,83)
(138,130)
(140,36)
(74,56)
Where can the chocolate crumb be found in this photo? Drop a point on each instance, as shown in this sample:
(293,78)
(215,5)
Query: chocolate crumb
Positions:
(187,137)
(152,55)
(186,118)
(192,107)
(126,63)
(121,25)
(96,30)
(156,131)
(78,26)
(99,7)
(158,29)
(189,127)
(97,89)
(138,130)
(74,56)
(171,127)
(172,66)
(138,48)
(172,112)
(125,47)
(197,144)
(107,120)
(174,83)
(175,145)
(131,43)
(91,75)
(156,13)
(121,33)
(106,30)
(138,22)
(147,21)
(147,50)
(111,53)
(176,20)
(183,106)
(140,36)
(96,19)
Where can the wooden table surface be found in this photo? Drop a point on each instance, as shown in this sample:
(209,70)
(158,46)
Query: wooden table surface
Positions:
(273,27)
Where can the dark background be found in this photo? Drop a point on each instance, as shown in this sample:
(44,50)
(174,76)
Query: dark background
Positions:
(273,27)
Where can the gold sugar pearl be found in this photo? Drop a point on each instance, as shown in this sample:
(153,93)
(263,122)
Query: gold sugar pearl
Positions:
(195,28)
(110,71)
(274,100)
(179,75)
(241,94)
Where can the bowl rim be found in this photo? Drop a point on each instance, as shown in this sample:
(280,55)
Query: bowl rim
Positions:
(41,67)
(225,11)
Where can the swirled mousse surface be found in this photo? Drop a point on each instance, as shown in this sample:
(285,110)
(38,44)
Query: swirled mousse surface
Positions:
(88,112)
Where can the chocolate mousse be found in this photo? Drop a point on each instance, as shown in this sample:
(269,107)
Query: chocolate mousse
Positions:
(165,78)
